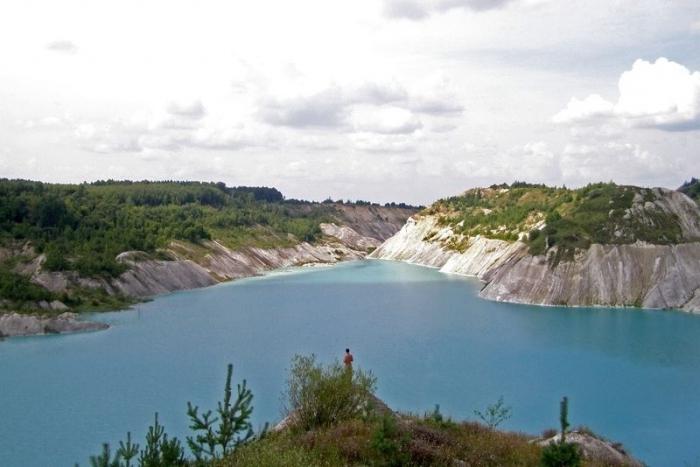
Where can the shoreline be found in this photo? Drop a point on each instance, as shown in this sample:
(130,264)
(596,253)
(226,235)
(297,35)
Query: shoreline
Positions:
(14,324)
(542,305)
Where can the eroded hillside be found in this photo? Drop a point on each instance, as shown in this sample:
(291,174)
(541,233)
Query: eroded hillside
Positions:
(103,245)
(603,244)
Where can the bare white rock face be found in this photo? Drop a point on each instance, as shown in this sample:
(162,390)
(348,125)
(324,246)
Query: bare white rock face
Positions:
(595,448)
(639,274)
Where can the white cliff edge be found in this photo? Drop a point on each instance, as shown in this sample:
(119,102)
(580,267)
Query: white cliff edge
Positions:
(639,274)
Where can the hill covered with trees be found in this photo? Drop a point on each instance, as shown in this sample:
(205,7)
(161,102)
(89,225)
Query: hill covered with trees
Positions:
(81,229)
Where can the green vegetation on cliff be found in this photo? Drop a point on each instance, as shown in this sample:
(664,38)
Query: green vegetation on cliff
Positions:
(84,227)
(691,188)
(545,217)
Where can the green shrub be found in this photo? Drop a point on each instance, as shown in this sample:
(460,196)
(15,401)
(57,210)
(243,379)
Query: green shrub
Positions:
(277,451)
(55,259)
(389,444)
(319,396)
(561,455)
(212,440)
(16,287)
(495,414)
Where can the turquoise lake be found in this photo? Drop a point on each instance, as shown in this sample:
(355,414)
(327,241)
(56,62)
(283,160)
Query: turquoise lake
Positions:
(631,375)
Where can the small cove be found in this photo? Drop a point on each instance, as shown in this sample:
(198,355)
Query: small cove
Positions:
(631,375)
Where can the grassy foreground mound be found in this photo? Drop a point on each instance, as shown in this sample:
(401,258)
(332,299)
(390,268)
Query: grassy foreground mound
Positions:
(376,441)
(334,419)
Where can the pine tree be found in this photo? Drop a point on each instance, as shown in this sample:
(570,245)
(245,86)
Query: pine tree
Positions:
(211,441)
(564,417)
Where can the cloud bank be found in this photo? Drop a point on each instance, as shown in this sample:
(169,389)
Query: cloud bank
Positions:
(420,9)
(664,95)
(62,46)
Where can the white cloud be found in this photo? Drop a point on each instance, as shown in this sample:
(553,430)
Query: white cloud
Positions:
(372,92)
(663,95)
(192,109)
(622,162)
(419,9)
(385,120)
(62,46)
(536,162)
(695,27)
(327,108)
(46,123)
(436,95)
(179,127)
(384,143)
(368,107)
(585,110)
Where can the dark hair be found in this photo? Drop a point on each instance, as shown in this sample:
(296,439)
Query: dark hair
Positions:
(347,350)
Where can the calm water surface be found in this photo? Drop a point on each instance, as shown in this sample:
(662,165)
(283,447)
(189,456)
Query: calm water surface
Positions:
(632,375)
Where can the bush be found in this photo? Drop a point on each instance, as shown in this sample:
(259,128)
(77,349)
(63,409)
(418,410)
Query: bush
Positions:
(277,451)
(319,396)
(55,259)
(16,287)
(495,414)
(561,455)
(389,444)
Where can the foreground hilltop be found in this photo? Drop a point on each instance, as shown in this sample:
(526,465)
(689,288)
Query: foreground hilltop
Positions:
(603,244)
(107,244)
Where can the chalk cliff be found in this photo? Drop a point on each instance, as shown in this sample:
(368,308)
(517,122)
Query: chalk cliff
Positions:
(182,265)
(638,273)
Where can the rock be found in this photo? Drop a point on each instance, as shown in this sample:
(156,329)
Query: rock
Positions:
(58,305)
(638,274)
(349,237)
(652,276)
(15,324)
(423,241)
(377,222)
(356,229)
(595,449)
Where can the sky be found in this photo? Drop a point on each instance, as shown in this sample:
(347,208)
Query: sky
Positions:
(382,100)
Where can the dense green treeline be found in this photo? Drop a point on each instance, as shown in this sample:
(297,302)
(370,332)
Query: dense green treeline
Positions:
(84,227)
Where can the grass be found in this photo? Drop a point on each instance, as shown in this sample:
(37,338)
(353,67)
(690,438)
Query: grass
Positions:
(420,441)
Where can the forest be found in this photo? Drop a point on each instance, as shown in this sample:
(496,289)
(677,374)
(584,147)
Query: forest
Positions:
(84,227)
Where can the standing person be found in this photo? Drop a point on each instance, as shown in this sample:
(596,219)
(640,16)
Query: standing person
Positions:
(348,359)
